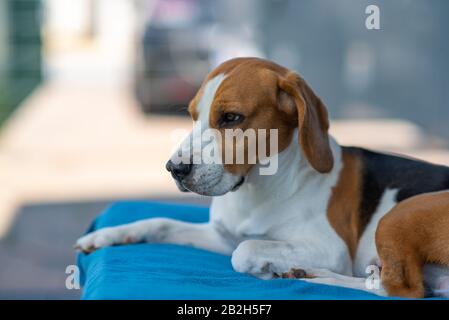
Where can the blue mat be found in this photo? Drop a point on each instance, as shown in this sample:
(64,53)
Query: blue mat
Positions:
(162,271)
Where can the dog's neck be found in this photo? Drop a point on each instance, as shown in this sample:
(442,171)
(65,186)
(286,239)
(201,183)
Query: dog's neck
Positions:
(293,176)
(295,189)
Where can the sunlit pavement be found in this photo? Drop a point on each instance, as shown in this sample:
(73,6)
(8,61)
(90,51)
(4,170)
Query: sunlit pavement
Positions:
(69,143)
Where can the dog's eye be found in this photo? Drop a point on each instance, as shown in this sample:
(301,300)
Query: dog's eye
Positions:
(230,118)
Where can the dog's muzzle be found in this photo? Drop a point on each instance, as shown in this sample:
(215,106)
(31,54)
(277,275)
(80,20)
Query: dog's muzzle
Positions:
(203,179)
(178,171)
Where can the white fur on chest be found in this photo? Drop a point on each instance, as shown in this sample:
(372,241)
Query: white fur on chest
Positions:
(289,206)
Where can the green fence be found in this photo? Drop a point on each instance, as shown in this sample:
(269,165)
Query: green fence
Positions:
(20,52)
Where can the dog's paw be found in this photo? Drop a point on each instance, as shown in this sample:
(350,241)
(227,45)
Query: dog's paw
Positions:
(246,260)
(295,273)
(99,239)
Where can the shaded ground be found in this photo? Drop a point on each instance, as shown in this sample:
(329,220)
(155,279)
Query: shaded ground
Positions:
(38,248)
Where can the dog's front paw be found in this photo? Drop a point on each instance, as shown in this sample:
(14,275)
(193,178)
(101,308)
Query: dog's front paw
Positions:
(245,259)
(99,239)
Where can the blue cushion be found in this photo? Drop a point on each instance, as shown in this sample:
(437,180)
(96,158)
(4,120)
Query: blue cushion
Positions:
(164,271)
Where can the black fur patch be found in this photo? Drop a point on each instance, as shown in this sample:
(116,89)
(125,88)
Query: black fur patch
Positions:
(383,171)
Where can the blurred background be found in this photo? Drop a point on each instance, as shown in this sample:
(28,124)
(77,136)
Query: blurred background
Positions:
(93,96)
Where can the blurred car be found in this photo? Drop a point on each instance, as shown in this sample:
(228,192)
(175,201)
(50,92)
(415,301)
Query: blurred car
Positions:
(173,54)
(181,41)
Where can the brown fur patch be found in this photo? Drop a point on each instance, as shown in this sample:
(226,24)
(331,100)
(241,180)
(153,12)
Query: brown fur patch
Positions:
(413,233)
(313,122)
(344,205)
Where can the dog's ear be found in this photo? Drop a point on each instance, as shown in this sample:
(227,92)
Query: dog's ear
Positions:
(297,99)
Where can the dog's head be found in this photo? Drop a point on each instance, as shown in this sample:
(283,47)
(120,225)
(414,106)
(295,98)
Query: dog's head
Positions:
(248,94)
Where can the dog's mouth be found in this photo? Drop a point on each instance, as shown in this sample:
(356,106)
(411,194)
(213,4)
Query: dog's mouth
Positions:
(183,188)
(238,184)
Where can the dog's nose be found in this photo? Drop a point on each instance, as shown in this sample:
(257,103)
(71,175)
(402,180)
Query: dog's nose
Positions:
(178,171)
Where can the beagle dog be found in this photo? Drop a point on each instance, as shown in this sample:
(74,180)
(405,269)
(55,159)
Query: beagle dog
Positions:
(329,214)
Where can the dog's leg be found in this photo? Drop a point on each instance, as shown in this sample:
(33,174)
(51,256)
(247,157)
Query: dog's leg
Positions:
(157,230)
(321,276)
(274,259)
(270,259)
